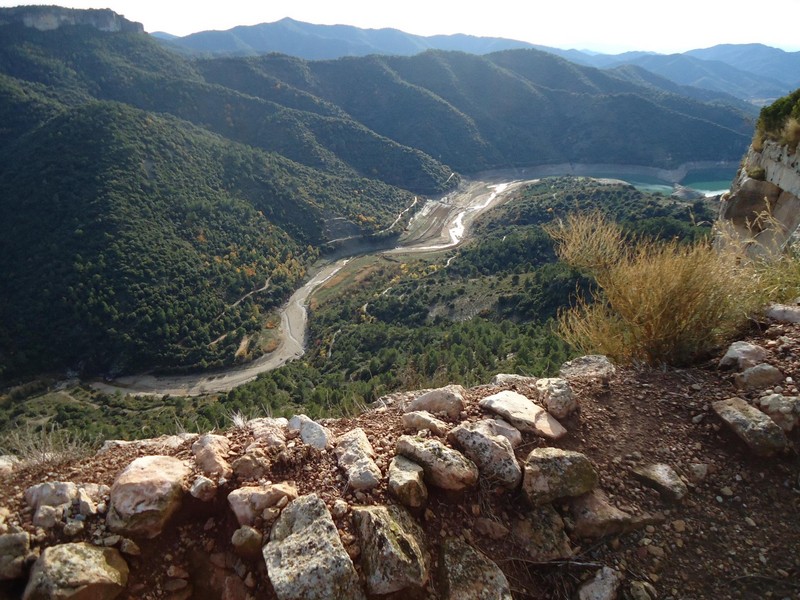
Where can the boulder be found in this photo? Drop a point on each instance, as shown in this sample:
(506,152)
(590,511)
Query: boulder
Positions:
(250,502)
(557,396)
(604,586)
(523,414)
(406,483)
(784,410)
(419,420)
(146,494)
(77,570)
(541,532)
(755,428)
(393,551)
(15,552)
(311,432)
(493,454)
(593,516)
(443,467)
(211,451)
(742,355)
(467,574)
(757,377)
(785,313)
(448,400)
(305,557)
(592,367)
(355,457)
(552,473)
(663,478)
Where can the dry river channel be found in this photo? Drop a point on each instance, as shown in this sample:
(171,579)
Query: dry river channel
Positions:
(439,225)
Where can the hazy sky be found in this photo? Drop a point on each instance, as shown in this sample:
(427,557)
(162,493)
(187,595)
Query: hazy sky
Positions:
(601,25)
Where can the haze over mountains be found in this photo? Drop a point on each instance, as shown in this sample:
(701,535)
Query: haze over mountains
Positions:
(144,191)
(753,72)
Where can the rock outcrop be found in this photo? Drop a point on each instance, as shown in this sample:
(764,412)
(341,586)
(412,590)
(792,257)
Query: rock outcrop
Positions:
(46,18)
(768,182)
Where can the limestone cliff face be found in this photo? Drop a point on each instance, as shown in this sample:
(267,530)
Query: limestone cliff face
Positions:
(46,18)
(769,180)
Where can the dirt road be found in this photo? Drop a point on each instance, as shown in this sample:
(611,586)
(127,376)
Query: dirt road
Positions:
(439,225)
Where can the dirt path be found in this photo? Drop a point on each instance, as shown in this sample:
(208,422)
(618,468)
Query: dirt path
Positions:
(439,225)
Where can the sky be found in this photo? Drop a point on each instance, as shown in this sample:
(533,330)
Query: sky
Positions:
(609,26)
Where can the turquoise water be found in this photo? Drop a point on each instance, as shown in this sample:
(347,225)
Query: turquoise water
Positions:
(710,182)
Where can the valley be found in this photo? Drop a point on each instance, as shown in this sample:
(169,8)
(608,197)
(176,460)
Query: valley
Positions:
(439,225)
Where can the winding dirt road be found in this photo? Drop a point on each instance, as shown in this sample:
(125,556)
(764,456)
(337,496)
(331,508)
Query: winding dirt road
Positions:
(440,225)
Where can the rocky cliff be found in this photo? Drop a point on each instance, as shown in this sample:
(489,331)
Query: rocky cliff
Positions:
(602,483)
(46,18)
(764,202)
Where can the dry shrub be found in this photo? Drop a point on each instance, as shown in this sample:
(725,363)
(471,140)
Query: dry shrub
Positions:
(790,135)
(47,445)
(659,302)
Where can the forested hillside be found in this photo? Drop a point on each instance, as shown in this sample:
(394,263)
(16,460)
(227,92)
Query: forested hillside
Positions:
(144,193)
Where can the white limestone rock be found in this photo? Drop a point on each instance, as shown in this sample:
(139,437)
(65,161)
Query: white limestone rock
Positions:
(393,551)
(663,478)
(757,430)
(406,483)
(493,454)
(592,367)
(511,379)
(311,432)
(557,396)
(448,400)
(305,557)
(541,532)
(784,410)
(444,467)
(760,376)
(742,355)
(468,574)
(77,570)
(269,432)
(355,457)
(784,313)
(211,453)
(420,420)
(524,414)
(249,502)
(553,473)
(203,488)
(146,494)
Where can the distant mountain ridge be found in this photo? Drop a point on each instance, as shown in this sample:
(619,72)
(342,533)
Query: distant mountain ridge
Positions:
(751,72)
(316,42)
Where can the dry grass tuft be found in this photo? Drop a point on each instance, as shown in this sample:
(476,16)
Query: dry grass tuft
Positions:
(790,135)
(658,302)
(46,446)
